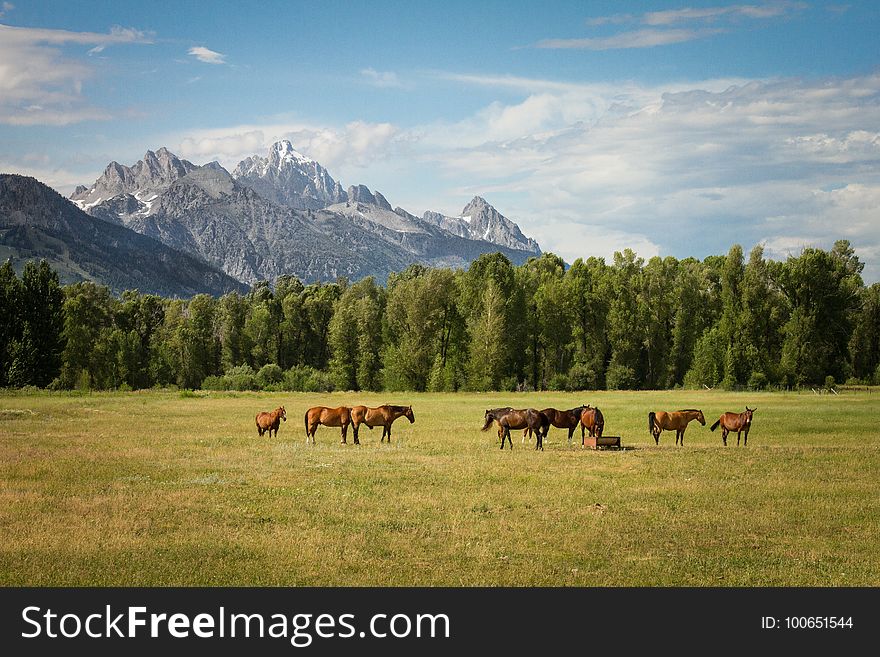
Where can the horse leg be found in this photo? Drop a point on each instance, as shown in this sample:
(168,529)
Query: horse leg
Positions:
(724,435)
(344,432)
(746,438)
(737,437)
(389,434)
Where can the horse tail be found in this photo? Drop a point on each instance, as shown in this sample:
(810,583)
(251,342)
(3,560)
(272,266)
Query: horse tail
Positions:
(306,420)
(715,426)
(652,417)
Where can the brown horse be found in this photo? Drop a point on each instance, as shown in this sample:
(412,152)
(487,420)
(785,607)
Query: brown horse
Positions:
(269,421)
(329,417)
(509,418)
(561,420)
(739,422)
(593,421)
(676,421)
(382,416)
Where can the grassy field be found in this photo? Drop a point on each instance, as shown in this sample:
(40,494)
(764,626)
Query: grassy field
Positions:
(164,488)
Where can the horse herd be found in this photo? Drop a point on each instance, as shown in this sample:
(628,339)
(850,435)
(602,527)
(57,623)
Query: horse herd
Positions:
(530,420)
(342,416)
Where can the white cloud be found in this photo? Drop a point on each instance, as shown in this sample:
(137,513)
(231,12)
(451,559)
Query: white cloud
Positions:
(689,170)
(685,169)
(5,8)
(206,55)
(382,79)
(668,21)
(354,145)
(42,168)
(646,38)
(711,14)
(39,84)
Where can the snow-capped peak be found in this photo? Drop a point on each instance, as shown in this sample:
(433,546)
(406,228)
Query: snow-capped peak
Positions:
(283,151)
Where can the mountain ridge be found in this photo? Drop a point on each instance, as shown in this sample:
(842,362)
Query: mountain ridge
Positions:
(285,214)
(36,221)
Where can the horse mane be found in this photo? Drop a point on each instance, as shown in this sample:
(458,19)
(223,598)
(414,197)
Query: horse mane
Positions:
(397,409)
(688,410)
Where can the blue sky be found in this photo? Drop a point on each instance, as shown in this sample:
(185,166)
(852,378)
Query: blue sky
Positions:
(673,128)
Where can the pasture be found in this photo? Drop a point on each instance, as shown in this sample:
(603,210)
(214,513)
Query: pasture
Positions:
(165,488)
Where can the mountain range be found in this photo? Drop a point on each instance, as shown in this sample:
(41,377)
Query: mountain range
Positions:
(37,222)
(275,215)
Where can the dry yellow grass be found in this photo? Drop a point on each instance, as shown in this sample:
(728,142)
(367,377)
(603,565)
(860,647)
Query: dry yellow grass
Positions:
(156,488)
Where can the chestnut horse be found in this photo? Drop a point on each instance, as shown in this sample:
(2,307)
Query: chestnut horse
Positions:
(329,417)
(561,420)
(269,421)
(509,418)
(676,421)
(593,421)
(739,422)
(382,415)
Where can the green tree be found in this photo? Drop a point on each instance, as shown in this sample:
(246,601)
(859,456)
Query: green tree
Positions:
(736,368)
(864,345)
(585,287)
(625,336)
(235,346)
(41,307)
(823,290)
(762,317)
(10,317)
(657,313)
(486,366)
(690,318)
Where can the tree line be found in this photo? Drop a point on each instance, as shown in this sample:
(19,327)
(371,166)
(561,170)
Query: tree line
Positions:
(625,324)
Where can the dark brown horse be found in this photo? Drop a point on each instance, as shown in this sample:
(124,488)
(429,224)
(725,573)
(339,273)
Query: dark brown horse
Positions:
(593,421)
(382,416)
(270,421)
(739,422)
(510,418)
(329,417)
(676,421)
(561,420)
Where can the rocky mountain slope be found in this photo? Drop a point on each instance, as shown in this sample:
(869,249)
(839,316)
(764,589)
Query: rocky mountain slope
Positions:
(37,222)
(284,214)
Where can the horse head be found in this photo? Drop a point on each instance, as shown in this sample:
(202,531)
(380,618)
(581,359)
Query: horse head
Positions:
(283,413)
(409,415)
(749,412)
(700,418)
(489,417)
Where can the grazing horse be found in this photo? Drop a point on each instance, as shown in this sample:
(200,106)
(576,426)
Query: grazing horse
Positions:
(739,422)
(269,421)
(510,418)
(676,421)
(593,421)
(561,420)
(329,417)
(382,415)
